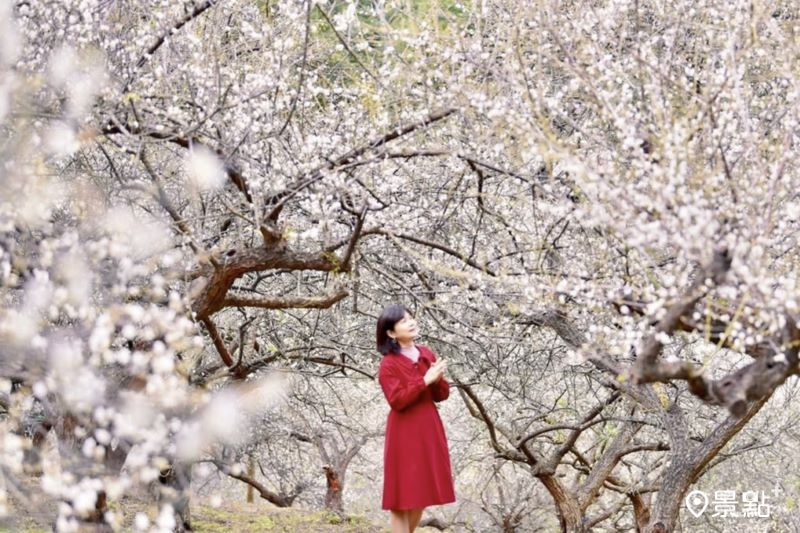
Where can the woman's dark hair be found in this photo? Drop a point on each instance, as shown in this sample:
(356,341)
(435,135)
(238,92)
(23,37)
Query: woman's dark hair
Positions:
(391,315)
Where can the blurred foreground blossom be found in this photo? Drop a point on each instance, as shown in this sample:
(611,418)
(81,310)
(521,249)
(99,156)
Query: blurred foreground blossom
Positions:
(10,39)
(79,75)
(135,236)
(29,197)
(229,415)
(61,139)
(5,94)
(204,169)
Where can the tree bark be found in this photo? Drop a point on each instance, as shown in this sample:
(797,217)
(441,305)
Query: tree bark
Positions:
(251,472)
(175,482)
(569,512)
(687,464)
(334,489)
(641,511)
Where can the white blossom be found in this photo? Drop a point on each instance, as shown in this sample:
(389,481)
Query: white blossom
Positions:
(204,169)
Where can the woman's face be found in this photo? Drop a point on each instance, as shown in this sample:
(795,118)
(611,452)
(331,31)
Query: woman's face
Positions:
(405,330)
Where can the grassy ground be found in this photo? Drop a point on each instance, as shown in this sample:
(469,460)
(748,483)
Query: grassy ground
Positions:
(249,518)
(233,516)
(228,518)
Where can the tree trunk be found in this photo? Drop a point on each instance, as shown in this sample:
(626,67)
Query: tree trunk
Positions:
(251,472)
(641,511)
(674,486)
(688,464)
(32,456)
(334,490)
(569,512)
(175,483)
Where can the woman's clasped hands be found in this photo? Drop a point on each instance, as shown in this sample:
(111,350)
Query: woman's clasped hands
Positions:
(435,372)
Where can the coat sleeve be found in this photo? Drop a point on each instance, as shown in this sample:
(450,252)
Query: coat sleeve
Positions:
(401,390)
(440,390)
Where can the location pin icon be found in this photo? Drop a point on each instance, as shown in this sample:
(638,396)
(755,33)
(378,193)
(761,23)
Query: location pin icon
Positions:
(696,502)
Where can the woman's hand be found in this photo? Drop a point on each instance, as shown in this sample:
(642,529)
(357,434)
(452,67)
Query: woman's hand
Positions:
(435,372)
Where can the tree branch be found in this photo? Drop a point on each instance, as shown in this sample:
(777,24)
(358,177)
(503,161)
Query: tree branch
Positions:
(153,48)
(347,46)
(647,364)
(478,411)
(354,239)
(714,329)
(573,437)
(313,302)
(434,245)
(236,263)
(218,343)
(280,500)
(278,200)
(233,172)
(755,381)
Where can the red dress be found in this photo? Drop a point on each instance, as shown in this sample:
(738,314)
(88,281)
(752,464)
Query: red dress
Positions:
(416,471)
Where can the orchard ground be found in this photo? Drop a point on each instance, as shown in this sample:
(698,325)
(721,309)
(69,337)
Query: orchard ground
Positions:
(227,518)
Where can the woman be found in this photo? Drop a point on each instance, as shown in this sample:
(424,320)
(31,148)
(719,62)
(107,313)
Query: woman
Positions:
(416,459)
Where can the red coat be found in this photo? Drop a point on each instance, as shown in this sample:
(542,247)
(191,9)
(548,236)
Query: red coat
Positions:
(416,460)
